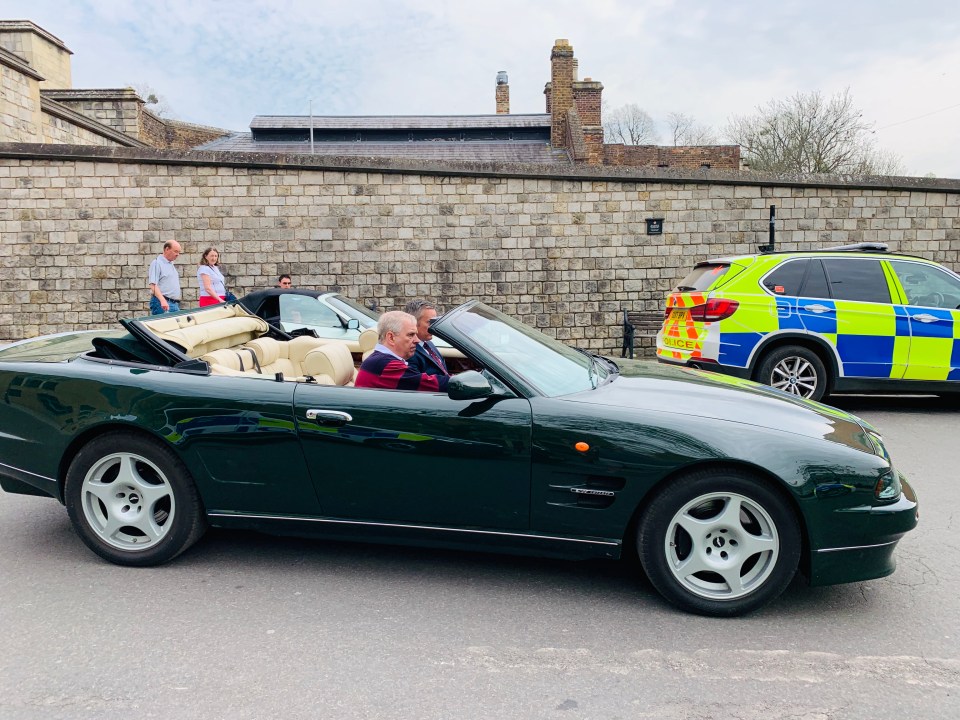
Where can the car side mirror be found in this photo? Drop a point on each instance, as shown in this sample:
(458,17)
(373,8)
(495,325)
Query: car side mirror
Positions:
(469,385)
(353,324)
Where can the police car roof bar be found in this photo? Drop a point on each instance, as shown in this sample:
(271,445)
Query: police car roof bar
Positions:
(861,247)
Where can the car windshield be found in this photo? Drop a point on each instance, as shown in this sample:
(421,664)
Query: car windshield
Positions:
(367,317)
(549,366)
(306,310)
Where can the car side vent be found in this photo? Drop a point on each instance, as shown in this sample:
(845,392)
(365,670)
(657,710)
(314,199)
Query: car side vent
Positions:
(585,491)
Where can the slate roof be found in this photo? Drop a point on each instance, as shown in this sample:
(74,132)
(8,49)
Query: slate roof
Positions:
(522,151)
(400,122)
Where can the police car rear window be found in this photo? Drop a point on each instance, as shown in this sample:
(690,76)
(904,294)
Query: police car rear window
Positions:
(858,279)
(787,278)
(703,277)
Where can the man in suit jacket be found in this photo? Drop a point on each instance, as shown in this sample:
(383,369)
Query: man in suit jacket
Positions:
(426,358)
(386,367)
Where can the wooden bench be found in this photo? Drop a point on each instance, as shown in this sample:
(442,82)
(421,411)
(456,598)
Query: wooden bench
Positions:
(639,323)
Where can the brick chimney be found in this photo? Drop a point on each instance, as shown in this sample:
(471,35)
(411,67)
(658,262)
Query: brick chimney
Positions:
(587,99)
(503,93)
(560,96)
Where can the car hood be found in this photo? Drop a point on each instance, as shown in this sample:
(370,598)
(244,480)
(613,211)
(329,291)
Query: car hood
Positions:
(55,348)
(696,393)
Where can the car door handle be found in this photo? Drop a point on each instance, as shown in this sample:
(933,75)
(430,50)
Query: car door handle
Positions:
(924,317)
(817,308)
(329,417)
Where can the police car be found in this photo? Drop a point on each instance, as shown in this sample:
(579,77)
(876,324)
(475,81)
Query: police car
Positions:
(811,323)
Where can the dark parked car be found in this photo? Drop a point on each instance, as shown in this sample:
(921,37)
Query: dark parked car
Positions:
(725,488)
(328,314)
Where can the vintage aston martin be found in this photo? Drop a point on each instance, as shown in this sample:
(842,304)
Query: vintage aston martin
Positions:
(724,488)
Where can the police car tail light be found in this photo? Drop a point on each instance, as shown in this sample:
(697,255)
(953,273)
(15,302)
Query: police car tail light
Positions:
(714,309)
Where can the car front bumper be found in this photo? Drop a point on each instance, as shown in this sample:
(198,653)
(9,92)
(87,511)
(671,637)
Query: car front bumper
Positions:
(873,559)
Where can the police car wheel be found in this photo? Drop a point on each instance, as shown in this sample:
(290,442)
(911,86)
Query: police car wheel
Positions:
(795,370)
(719,543)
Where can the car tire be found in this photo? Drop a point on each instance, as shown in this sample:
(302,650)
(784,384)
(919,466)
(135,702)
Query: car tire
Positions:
(719,543)
(132,501)
(795,370)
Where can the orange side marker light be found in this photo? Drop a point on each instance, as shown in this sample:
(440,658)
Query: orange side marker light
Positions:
(582,446)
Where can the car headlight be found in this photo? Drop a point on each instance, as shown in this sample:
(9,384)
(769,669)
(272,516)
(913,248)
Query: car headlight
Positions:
(888,485)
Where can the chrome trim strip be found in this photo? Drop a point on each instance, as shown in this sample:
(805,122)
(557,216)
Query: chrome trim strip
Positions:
(528,536)
(27,472)
(858,547)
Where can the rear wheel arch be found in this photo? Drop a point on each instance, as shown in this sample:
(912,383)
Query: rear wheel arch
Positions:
(822,348)
(819,349)
(88,436)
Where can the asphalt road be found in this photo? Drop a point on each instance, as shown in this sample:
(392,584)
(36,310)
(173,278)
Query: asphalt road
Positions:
(249,626)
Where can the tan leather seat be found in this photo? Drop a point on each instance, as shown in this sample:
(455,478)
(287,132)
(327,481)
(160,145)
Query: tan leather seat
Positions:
(367,341)
(330,364)
(283,357)
(231,361)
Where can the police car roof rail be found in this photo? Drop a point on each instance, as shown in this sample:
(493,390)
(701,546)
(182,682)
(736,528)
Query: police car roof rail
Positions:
(861,247)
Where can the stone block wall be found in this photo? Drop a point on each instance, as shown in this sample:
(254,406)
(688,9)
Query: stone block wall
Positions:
(565,251)
(118,109)
(59,130)
(20,94)
(46,53)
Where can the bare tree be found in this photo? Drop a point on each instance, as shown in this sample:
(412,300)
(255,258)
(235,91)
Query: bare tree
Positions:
(810,134)
(156,103)
(684,130)
(629,124)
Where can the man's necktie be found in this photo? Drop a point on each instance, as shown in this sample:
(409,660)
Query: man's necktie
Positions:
(436,357)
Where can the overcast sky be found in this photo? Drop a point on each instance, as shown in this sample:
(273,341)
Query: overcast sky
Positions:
(221,63)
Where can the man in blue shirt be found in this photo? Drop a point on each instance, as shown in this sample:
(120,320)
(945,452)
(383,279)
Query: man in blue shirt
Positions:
(165,294)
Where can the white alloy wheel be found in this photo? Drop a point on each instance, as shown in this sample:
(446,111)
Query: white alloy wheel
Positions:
(128,501)
(721,546)
(132,500)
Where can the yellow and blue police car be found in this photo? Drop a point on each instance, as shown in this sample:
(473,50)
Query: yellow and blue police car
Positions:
(848,319)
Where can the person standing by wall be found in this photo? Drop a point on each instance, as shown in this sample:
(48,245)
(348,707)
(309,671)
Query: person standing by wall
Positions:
(213,288)
(164,280)
(285,281)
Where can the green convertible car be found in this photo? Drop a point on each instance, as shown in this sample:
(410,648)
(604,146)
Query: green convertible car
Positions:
(213,417)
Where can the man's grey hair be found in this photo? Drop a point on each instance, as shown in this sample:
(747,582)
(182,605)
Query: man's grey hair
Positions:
(416,308)
(392,322)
